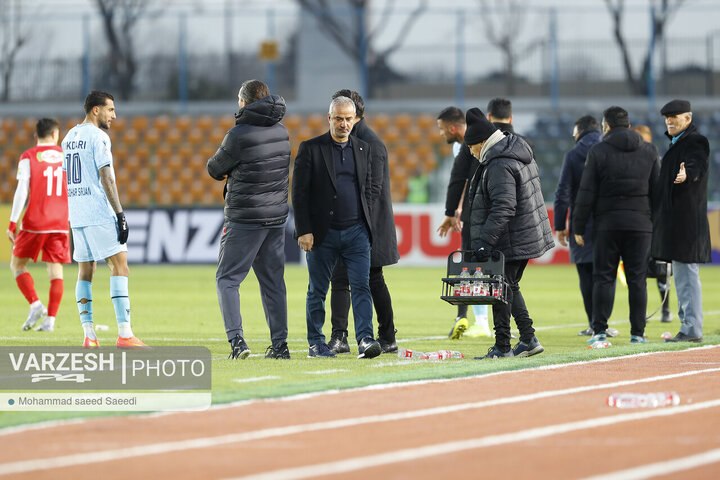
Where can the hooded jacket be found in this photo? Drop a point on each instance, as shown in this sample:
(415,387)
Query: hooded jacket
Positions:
(617,184)
(255,158)
(682,230)
(508,211)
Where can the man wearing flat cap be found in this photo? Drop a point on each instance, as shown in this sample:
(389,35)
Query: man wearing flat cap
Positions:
(681,232)
(507,214)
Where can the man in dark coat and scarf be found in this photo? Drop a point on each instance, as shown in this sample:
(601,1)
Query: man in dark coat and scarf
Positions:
(681,232)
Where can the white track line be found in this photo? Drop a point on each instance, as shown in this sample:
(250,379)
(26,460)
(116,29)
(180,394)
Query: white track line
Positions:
(662,468)
(209,442)
(409,454)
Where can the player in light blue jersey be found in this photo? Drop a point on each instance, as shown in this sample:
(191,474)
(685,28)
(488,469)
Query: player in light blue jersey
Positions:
(98,223)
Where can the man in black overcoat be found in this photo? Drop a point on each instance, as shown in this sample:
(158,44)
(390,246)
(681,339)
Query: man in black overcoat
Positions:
(384,248)
(331,201)
(681,232)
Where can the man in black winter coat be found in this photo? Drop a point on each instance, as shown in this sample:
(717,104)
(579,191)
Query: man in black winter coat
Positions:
(616,189)
(586,133)
(682,231)
(384,248)
(254,162)
(508,214)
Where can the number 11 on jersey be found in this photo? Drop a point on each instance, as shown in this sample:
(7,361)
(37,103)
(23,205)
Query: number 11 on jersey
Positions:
(49,173)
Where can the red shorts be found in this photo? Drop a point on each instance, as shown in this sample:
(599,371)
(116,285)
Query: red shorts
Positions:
(55,247)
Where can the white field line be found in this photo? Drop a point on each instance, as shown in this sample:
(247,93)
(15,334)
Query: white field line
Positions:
(662,468)
(409,454)
(255,379)
(400,340)
(38,464)
(382,386)
(324,372)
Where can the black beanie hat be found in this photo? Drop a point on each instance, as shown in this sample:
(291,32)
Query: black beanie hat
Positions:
(479,128)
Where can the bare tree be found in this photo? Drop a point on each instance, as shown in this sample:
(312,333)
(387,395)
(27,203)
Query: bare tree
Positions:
(120,17)
(503,22)
(662,14)
(13,40)
(363,45)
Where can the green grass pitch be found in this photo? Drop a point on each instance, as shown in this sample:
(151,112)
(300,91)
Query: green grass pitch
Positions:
(177,305)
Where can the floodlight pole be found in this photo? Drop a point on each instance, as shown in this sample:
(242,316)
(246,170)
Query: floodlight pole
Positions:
(554,63)
(86,81)
(460,60)
(270,64)
(651,54)
(182,62)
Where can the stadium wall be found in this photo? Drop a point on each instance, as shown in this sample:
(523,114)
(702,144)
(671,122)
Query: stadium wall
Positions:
(192,235)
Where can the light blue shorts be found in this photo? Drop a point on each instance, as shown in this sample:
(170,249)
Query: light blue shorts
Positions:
(96,242)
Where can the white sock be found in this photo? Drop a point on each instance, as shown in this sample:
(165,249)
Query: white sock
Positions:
(36,304)
(124,330)
(89,329)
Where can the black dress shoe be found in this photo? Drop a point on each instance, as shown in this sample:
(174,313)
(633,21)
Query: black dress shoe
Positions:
(681,337)
(338,343)
(388,346)
(369,348)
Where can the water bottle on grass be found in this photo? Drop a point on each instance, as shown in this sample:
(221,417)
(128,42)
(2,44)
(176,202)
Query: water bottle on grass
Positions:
(643,400)
(407,353)
(444,355)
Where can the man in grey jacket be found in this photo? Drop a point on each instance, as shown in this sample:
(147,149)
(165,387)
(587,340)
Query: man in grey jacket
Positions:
(254,161)
(508,214)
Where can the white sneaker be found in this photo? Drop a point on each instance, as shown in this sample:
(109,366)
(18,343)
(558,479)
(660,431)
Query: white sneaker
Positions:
(612,332)
(37,311)
(48,325)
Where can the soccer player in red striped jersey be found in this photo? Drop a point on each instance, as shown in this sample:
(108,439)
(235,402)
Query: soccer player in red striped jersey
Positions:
(44,229)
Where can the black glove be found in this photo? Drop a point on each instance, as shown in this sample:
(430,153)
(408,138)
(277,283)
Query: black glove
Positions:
(483,252)
(123,229)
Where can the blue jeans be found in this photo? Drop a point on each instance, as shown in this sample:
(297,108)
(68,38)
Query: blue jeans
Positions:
(689,293)
(353,246)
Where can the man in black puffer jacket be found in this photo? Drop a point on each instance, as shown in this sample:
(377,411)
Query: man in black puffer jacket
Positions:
(508,214)
(254,161)
(616,190)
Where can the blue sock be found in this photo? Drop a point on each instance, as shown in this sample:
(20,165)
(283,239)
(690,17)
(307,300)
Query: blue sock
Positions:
(120,298)
(83,290)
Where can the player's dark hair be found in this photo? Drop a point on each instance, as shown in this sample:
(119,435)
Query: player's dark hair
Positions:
(253,90)
(587,122)
(45,126)
(452,115)
(96,98)
(500,108)
(616,117)
(355,97)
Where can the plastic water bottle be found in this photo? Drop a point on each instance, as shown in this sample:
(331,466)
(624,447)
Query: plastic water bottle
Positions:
(497,286)
(406,353)
(479,286)
(643,400)
(465,284)
(600,344)
(443,355)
